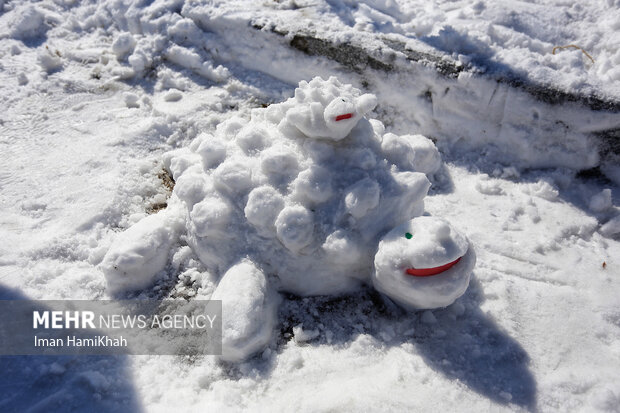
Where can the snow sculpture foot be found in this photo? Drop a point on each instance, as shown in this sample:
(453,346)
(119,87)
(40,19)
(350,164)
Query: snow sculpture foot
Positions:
(138,254)
(248,311)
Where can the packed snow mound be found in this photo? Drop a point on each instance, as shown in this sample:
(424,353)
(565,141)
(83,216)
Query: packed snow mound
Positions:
(305,188)
(27,22)
(303,191)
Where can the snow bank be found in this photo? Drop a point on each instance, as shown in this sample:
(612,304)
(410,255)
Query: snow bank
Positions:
(466,107)
(514,38)
(517,125)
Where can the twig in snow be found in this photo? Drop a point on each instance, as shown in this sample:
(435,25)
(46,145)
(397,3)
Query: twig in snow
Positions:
(574,46)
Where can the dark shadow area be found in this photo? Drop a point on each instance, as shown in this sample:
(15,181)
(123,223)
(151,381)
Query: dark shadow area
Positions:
(474,350)
(462,344)
(64,383)
(34,41)
(450,41)
(441,182)
(344,13)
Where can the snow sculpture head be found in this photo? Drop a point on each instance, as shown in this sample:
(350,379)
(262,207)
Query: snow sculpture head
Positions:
(423,263)
(327,110)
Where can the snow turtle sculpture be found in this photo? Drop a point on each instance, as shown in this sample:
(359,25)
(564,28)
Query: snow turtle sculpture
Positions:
(313,194)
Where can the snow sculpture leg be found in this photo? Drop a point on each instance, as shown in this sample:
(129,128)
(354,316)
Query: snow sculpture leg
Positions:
(139,253)
(248,311)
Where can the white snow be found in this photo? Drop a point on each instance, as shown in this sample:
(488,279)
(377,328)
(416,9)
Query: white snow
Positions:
(139,254)
(302,336)
(537,328)
(50,60)
(318,107)
(412,152)
(263,208)
(361,197)
(611,227)
(123,44)
(27,23)
(295,227)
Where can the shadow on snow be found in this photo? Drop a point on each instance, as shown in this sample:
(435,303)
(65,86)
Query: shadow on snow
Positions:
(469,347)
(65,383)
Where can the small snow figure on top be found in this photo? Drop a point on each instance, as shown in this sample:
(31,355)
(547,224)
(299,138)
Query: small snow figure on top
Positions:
(307,197)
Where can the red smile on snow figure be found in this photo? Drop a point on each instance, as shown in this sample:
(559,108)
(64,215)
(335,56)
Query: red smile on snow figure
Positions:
(427,272)
(343,117)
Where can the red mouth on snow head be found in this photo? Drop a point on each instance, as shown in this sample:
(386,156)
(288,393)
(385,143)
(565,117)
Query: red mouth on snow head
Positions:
(427,272)
(344,116)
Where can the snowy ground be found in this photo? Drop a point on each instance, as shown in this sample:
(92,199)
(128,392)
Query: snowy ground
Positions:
(89,109)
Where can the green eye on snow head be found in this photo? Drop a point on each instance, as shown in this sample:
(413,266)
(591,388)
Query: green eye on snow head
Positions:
(408,235)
